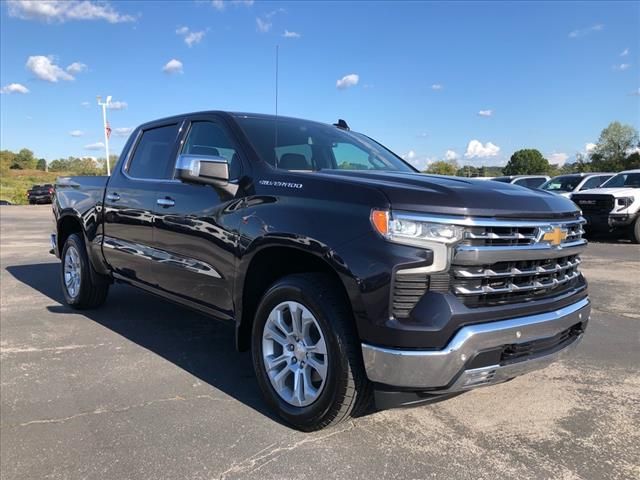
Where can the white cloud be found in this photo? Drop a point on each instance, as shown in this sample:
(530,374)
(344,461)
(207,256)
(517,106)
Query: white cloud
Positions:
(288,34)
(475,149)
(221,4)
(44,68)
(85,104)
(485,113)
(423,135)
(635,93)
(421,162)
(14,88)
(190,37)
(263,24)
(76,67)
(589,147)
(437,86)
(622,67)
(410,155)
(624,53)
(581,32)
(76,133)
(65,10)
(450,155)
(347,81)
(173,66)
(122,131)
(94,146)
(118,105)
(558,158)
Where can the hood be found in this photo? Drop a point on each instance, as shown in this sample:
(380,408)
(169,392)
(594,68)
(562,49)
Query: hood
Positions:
(457,195)
(616,192)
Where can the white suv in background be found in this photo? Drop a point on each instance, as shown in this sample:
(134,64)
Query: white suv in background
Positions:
(615,206)
(565,185)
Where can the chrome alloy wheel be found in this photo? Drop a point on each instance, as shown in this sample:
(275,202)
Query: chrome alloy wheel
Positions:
(72,271)
(294,353)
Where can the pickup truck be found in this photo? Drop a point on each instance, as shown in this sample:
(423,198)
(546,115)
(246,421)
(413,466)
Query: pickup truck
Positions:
(614,206)
(350,276)
(40,194)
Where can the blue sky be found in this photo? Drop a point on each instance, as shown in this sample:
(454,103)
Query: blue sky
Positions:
(473,81)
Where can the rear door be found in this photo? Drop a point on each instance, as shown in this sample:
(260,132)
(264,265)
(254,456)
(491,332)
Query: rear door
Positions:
(130,200)
(196,225)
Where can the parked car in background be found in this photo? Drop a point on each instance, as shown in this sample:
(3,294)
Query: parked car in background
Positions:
(565,185)
(614,207)
(40,194)
(529,181)
(5,202)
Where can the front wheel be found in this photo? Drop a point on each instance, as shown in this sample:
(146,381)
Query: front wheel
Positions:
(306,353)
(82,288)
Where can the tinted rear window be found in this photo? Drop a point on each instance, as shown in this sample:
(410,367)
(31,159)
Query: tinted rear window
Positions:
(153,157)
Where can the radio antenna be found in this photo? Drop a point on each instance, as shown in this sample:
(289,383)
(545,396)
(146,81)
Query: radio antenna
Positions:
(276,119)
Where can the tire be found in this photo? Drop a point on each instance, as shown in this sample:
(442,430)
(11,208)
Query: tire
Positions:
(90,290)
(635,231)
(345,391)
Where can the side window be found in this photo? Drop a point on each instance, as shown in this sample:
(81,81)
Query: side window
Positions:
(350,157)
(530,182)
(152,157)
(593,182)
(210,139)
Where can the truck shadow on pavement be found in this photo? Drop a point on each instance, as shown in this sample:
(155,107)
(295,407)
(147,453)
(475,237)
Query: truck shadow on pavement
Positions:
(196,343)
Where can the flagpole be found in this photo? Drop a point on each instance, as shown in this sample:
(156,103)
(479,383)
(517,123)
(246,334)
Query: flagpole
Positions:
(104,128)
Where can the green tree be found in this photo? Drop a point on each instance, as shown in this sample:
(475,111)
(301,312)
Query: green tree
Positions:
(7,158)
(614,147)
(632,161)
(24,160)
(528,161)
(467,171)
(443,167)
(41,165)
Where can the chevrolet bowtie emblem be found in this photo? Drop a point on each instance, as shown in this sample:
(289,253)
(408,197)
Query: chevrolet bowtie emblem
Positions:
(555,236)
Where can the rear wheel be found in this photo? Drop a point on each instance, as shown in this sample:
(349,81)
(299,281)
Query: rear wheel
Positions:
(82,288)
(306,353)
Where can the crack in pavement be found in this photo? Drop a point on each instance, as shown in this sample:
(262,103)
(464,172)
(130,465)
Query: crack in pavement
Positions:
(100,410)
(251,463)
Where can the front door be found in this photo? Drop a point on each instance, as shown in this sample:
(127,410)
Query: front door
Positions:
(196,225)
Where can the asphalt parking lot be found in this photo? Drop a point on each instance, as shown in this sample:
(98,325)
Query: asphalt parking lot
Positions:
(145,389)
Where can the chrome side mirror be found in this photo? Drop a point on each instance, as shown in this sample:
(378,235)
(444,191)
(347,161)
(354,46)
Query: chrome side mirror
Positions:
(211,170)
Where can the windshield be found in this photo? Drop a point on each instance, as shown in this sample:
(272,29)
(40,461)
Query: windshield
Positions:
(565,183)
(309,146)
(628,180)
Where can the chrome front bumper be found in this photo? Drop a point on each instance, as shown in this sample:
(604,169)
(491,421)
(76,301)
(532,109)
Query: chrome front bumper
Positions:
(446,371)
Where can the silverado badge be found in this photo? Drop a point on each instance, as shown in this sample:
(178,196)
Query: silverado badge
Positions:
(554,235)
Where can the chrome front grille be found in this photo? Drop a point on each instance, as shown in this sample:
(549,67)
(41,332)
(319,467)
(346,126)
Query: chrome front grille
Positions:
(500,262)
(508,282)
(515,235)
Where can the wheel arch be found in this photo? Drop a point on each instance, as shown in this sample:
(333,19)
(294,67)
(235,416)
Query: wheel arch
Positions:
(269,263)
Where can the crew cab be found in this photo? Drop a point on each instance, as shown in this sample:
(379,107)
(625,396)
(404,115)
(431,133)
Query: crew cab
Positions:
(350,276)
(614,206)
(40,194)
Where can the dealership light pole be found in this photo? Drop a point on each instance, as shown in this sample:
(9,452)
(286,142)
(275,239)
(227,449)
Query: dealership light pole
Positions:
(106,128)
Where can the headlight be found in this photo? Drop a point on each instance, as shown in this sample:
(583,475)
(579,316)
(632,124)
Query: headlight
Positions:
(624,202)
(410,229)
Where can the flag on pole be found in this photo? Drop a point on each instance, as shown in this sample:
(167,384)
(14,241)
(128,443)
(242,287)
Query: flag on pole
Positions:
(108,129)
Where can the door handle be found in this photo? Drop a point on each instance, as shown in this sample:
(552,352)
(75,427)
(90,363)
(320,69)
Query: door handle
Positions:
(165,202)
(113,197)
